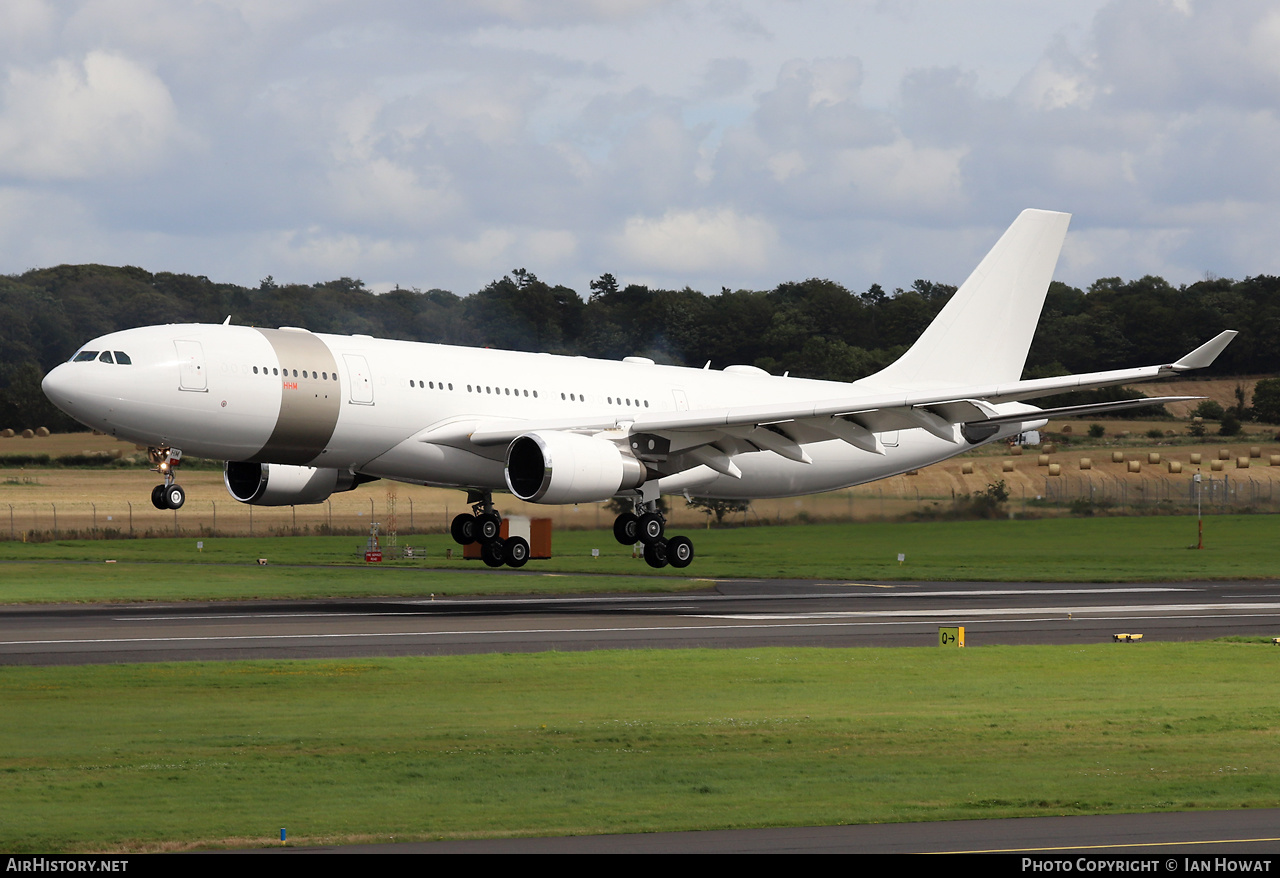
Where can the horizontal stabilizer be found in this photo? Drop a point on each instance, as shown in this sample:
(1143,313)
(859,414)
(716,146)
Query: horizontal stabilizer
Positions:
(1206,353)
(1096,408)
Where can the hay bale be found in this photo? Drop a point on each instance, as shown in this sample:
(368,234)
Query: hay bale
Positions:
(1224,454)
(1055,469)
(1195,457)
(1255,451)
(27,434)
(1006,466)
(1042,460)
(1135,466)
(1117,457)
(1015,450)
(7,434)
(42,431)
(1216,466)
(1175,466)
(966,469)
(1153,457)
(1066,428)
(1242,462)
(1086,463)
(1048,448)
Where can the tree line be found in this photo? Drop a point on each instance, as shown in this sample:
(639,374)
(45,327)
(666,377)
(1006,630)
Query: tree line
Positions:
(813,328)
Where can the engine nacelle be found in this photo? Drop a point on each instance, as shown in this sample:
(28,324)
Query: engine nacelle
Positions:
(553,467)
(278,484)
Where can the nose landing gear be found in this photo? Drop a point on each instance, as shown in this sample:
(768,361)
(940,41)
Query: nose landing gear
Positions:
(483,525)
(647,525)
(169,495)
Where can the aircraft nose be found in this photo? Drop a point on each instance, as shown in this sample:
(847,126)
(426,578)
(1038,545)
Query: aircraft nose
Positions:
(58,386)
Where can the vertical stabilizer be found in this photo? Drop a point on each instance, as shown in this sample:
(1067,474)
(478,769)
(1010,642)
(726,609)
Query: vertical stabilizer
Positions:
(983,334)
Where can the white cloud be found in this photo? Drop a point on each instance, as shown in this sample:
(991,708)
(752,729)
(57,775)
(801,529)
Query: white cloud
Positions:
(74,120)
(697,241)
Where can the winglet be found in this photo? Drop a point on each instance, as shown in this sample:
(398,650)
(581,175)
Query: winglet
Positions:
(1206,353)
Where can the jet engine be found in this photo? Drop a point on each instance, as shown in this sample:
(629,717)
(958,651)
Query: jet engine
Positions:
(554,467)
(278,484)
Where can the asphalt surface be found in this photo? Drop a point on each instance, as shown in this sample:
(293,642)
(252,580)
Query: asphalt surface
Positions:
(1174,838)
(729,614)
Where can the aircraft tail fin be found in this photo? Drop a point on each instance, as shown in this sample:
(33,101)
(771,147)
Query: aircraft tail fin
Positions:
(981,336)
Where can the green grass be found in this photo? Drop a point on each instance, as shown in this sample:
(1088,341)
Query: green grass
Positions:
(1073,550)
(160,756)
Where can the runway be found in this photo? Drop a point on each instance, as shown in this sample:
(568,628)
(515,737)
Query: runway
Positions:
(725,614)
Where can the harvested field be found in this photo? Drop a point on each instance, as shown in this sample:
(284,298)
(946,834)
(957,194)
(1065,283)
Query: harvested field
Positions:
(64,502)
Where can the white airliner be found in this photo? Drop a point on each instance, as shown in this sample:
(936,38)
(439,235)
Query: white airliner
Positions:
(298,415)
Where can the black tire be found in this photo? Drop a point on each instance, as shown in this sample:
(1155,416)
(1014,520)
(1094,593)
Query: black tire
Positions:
(494,553)
(157,497)
(652,526)
(488,527)
(517,552)
(655,553)
(174,497)
(463,529)
(626,529)
(680,551)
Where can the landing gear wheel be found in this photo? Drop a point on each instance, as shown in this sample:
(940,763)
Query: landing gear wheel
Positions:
(157,497)
(463,529)
(488,527)
(652,526)
(655,553)
(517,552)
(494,553)
(680,551)
(626,529)
(174,497)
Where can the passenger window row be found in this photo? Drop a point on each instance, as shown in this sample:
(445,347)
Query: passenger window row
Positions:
(613,400)
(500,391)
(319,376)
(431,384)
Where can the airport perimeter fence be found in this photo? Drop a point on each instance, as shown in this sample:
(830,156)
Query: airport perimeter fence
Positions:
(1087,493)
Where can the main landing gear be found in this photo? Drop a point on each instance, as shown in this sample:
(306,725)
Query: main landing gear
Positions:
(169,495)
(647,525)
(484,526)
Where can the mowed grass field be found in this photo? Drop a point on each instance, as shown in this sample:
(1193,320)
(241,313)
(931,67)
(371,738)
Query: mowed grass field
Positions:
(1152,549)
(178,756)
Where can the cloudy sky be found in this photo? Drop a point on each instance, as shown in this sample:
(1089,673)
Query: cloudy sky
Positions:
(436,143)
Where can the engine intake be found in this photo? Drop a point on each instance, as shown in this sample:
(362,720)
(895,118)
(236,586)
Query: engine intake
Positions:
(553,467)
(278,484)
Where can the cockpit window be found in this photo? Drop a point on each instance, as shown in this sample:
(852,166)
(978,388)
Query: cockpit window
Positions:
(122,359)
(85,356)
(106,357)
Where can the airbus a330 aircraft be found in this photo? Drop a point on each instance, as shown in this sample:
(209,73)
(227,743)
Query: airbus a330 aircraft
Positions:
(299,416)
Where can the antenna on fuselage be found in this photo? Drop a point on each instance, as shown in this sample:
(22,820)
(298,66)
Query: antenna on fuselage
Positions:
(227,322)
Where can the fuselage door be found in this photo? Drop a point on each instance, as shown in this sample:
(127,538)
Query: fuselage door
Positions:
(682,401)
(191,374)
(359,378)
